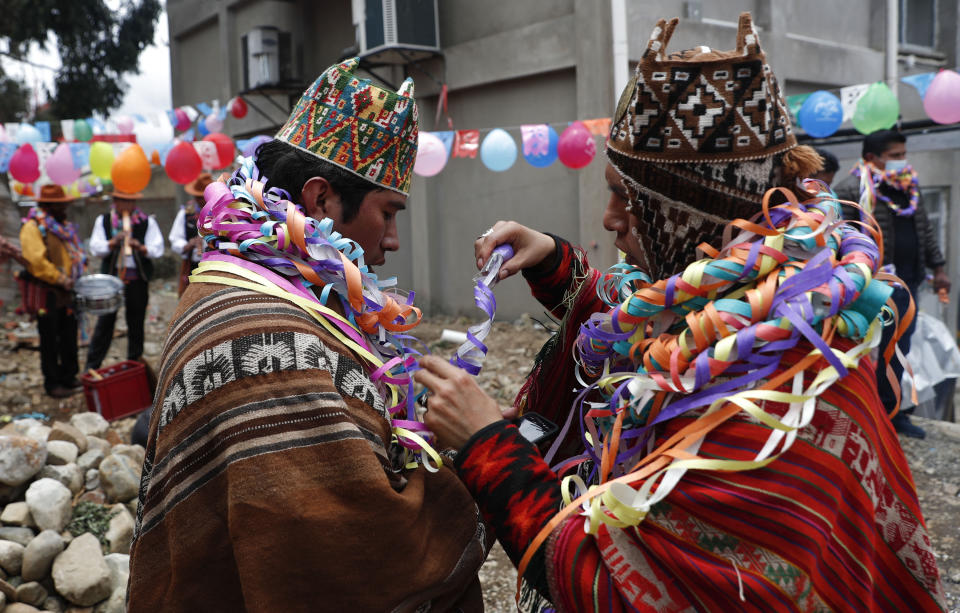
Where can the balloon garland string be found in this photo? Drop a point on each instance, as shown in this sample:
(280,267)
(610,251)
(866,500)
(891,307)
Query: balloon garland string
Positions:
(711,339)
(258,239)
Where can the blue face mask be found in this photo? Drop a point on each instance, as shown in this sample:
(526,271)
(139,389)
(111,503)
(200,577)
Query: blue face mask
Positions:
(895,165)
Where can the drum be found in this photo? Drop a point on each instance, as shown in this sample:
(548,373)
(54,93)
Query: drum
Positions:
(98,294)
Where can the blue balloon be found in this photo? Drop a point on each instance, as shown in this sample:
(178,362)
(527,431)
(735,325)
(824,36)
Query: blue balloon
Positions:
(821,114)
(498,151)
(202,127)
(26,133)
(540,145)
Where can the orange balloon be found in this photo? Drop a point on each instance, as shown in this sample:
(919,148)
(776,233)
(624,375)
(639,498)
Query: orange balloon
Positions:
(130,172)
(155,158)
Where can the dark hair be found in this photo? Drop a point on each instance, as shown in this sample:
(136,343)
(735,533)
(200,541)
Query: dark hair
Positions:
(830,162)
(289,168)
(878,142)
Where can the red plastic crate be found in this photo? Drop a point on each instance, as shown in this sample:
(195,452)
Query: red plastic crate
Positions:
(122,391)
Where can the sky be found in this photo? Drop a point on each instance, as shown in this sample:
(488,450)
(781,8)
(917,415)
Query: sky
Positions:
(146,92)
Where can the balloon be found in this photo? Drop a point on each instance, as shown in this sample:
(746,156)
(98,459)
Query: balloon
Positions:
(60,167)
(28,134)
(130,172)
(576,146)
(24,164)
(213,124)
(202,127)
(498,151)
(431,155)
(82,131)
(155,158)
(942,102)
(877,109)
(101,158)
(539,145)
(821,114)
(125,125)
(238,107)
(225,148)
(183,120)
(183,164)
(251,145)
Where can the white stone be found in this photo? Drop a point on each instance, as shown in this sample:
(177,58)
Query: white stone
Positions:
(119,478)
(135,452)
(21,458)
(39,555)
(66,432)
(17,535)
(91,424)
(20,607)
(11,557)
(119,565)
(61,452)
(32,428)
(32,593)
(68,474)
(91,459)
(80,574)
(91,480)
(120,532)
(49,502)
(117,603)
(17,514)
(95,442)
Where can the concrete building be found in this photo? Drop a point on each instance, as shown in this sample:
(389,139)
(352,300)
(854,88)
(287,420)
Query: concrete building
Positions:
(509,62)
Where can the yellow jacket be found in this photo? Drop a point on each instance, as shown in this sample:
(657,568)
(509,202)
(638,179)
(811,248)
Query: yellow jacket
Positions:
(48,259)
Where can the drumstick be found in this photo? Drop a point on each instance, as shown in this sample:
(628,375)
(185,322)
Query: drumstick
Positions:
(126,234)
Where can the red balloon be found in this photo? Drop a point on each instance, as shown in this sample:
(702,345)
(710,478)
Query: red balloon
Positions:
(24,164)
(576,146)
(225,147)
(183,120)
(183,163)
(238,107)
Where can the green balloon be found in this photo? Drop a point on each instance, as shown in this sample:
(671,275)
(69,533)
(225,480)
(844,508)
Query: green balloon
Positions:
(877,109)
(81,130)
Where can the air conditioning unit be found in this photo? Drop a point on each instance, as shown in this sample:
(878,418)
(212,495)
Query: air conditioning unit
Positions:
(268,57)
(396,31)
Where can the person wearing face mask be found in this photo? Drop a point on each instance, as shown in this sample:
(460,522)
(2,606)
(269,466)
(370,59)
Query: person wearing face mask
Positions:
(887,187)
(733,454)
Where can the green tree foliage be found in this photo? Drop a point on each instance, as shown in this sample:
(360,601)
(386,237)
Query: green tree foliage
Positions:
(14,99)
(97,46)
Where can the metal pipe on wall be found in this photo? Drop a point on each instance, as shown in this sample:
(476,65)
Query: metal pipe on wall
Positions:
(621,47)
(893,42)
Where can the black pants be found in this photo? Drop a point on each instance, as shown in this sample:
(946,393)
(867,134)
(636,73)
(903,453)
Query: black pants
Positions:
(135,297)
(58,347)
(901,297)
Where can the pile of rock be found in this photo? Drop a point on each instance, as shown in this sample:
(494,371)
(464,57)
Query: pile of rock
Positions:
(45,472)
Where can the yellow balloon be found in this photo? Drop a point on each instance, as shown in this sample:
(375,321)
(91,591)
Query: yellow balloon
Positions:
(101,159)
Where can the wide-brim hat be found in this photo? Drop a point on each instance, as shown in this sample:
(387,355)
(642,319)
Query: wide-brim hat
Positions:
(196,187)
(53,194)
(126,195)
(365,129)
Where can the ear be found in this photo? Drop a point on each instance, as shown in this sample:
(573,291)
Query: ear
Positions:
(869,157)
(314,196)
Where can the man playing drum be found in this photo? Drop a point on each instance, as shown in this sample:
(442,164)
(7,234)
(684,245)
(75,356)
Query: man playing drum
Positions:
(54,260)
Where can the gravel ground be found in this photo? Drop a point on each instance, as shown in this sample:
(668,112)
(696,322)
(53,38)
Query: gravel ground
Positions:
(933,461)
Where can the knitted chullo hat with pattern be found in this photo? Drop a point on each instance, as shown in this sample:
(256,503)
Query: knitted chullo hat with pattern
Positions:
(698,137)
(367,130)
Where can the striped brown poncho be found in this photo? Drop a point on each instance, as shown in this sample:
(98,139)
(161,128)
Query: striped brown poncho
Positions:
(269,484)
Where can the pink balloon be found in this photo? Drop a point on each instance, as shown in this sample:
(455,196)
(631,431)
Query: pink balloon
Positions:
(24,164)
(183,120)
(942,101)
(576,147)
(125,125)
(213,123)
(431,155)
(60,166)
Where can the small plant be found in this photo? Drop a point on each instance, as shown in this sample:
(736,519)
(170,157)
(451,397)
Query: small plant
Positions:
(93,518)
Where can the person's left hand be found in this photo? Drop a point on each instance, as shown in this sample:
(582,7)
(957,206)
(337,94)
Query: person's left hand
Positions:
(941,280)
(457,407)
(135,244)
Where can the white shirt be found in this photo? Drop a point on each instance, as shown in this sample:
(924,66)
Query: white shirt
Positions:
(178,237)
(153,241)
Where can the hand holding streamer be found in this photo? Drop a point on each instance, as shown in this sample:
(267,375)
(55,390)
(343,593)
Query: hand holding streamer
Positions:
(470,354)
